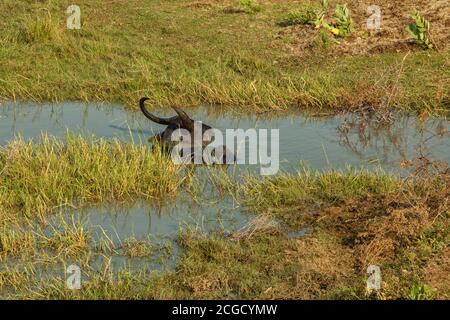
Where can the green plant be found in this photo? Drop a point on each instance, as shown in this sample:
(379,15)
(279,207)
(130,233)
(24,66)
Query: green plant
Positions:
(296,17)
(305,14)
(420,292)
(325,38)
(419,30)
(313,14)
(344,23)
(250,6)
(319,18)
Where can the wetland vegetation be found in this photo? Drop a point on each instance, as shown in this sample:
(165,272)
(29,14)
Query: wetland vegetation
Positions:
(223,52)
(347,220)
(309,232)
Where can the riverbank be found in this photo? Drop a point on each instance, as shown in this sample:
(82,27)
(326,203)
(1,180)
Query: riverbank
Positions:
(203,52)
(313,236)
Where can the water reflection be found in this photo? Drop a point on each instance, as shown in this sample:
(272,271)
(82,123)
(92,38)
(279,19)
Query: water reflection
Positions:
(396,142)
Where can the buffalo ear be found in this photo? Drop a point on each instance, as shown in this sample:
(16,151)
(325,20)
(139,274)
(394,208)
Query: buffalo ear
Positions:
(186,122)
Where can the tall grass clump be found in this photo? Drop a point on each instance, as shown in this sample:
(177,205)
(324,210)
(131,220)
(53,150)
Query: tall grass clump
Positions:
(306,14)
(35,177)
(307,185)
(249,6)
(40,27)
(70,239)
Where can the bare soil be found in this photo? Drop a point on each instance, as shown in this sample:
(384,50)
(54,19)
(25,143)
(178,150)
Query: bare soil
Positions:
(392,37)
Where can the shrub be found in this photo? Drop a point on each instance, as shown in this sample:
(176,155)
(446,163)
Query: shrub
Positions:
(308,14)
(343,25)
(316,15)
(419,30)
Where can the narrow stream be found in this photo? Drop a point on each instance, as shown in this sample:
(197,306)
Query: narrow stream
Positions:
(320,143)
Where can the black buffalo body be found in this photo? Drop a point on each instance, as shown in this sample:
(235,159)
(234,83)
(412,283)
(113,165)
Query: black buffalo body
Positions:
(180,121)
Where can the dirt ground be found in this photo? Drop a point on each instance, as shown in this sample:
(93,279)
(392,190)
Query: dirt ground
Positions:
(437,272)
(392,37)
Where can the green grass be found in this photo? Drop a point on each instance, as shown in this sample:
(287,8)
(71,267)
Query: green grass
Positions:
(250,6)
(305,14)
(177,53)
(47,176)
(316,266)
(356,218)
(40,28)
(181,54)
(376,218)
(210,269)
(330,186)
(38,177)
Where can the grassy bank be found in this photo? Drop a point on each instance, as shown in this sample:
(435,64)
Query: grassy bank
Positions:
(358,219)
(353,218)
(216,52)
(44,183)
(37,177)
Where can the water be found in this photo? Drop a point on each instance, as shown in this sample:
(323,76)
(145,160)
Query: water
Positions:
(321,143)
(316,141)
(159,225)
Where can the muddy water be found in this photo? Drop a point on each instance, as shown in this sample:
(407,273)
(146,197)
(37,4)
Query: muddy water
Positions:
(321,143)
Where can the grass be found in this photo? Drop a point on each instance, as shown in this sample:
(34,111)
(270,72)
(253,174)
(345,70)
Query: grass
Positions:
(43,177)
(249,6)
(330,186)
(305,14)
(38,177)
(40,28)
(357,218)
(179,52)
(15,241)
(137,248)
(374,218)
(70,240)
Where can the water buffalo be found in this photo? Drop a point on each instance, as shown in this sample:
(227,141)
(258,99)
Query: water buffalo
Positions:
(181,121)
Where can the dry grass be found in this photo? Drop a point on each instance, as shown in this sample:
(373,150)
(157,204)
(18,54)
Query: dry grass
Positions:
(365,218)
(137,248)
(259,226)
(70,240)
(40,28)
(404,228)
(437,272)
(43,177)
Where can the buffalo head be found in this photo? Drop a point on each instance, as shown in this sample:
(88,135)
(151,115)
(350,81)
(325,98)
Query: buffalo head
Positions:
(180,121)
